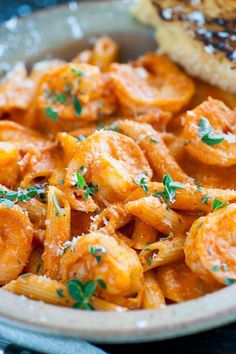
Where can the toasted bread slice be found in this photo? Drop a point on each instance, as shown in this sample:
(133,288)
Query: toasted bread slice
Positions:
(200,35)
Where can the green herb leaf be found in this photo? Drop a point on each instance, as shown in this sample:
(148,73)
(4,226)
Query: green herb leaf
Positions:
(112,127)
(6,202)
(80,181)
(229,281)
(26,275)
(142,182)
(149,260)
(60,293)
(75,290)
(206,133)
(215,268)
(9,198)
(77,106)
(170,187)
(51,113)
(96,252)
(102,284)
(57,206)
(81,137)
(154,140)
(205,199)
(77,72)
(217,204)
(89,288)
(60,98)
(90,189)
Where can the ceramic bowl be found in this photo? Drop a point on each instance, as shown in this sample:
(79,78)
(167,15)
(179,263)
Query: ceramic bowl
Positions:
(62,32)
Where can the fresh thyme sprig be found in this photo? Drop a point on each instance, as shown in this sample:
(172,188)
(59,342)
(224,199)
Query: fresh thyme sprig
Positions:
(9,198)
(81,292)
(169,192)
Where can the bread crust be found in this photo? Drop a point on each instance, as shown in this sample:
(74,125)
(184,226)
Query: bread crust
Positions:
(200,35)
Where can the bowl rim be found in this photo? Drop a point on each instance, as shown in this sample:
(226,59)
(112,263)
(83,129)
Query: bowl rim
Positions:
(174,320)
(207,312)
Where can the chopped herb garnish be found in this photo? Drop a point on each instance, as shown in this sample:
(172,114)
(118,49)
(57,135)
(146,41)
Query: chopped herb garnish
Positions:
(102,284)
(198,187)
(9,198)
(96,252)
(149,260)
(80,181)
(57,206)
(170,187)
(6,202)
(154,140)
(215,268)
(142,182)
(217,204)
(60,98)
(77,72)
(89,188)
(26,275)
(229,281)
(81,292)
(224,267)
(112,127)
(206,133)
(51,113)
(205,199)
(81,137)
(60,293)
(147,249)
(77,106)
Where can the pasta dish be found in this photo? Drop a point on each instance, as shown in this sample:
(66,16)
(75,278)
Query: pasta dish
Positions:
(117,182)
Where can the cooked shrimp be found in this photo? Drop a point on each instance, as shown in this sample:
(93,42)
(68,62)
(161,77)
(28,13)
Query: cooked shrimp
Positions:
(112,162)
(9,164)
(98,256)
(215,244)
(27,140)
(15,90)
(16,233)
(207,129)
(191,255)
(75,91)
(151,81)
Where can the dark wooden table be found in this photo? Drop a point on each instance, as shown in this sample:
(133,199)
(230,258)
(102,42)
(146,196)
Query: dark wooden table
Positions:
(218,341)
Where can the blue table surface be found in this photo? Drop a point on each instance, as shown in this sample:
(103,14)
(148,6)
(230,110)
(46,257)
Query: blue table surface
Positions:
(218,341)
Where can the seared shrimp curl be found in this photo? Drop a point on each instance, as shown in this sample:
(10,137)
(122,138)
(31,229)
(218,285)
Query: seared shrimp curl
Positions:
(16,233)
(210,246)
(112,162)
(98,256)
(207,130)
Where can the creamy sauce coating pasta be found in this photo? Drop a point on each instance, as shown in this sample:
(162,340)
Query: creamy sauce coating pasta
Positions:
(117,182)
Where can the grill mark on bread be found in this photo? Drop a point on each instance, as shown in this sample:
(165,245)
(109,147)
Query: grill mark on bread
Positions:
(216,34)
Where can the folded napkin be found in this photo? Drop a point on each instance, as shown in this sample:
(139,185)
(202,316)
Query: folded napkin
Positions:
(46,344)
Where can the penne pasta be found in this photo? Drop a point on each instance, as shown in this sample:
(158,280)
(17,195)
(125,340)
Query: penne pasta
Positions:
(156,214)
(153,297)
(165,251)
(57,231)
(143,234)
(110,198)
